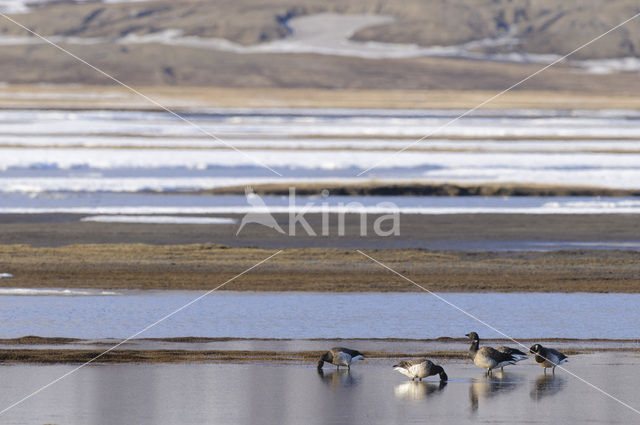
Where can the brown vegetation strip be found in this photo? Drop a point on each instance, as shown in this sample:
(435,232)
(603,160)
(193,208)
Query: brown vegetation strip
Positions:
(181,98)
(214,356)
(425,189)
(189,356)
(203,266)
(185,356)
(39,340)
(319,148)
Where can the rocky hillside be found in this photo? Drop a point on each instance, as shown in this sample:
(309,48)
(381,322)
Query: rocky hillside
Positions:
(192,42)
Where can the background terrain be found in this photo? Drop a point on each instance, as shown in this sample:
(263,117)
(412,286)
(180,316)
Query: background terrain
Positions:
(200,43)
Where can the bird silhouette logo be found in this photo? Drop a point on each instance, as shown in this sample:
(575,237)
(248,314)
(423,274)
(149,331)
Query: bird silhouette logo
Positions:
(259,214)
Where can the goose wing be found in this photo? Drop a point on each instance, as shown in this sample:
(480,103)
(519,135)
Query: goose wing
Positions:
(406,364)
(557,353)
(510,350)
(516,354)
(498,356)
(352,353)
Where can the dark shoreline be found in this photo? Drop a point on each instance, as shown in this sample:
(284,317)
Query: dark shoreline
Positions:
(423,189)
(39,340)
(38,350)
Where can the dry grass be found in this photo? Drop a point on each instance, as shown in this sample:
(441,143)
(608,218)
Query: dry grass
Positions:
(106,97)
(47,356)
(189,356)
(57,353)
(137,266)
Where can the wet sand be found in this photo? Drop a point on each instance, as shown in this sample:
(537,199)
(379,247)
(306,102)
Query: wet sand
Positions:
(215,350)
(481,232)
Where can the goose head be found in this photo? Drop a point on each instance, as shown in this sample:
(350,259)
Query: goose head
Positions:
(441,372)
(325,358)
(473,336)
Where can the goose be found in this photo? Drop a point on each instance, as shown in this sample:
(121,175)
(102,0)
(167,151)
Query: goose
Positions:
(515,353)
(487,357)
(340,356)
(420,368)
(548,357)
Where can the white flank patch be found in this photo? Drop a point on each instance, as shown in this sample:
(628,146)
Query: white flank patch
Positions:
(158,219)
(404,371)
(5,275)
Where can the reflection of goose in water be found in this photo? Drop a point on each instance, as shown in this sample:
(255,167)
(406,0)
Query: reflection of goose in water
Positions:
(546,385)
(491,386)
(337,379)
(418,390)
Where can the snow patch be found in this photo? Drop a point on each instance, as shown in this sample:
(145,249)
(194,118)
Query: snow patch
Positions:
(158,219)
(55,292)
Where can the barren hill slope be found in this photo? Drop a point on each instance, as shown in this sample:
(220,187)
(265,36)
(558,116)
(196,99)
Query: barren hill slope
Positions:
(199,42)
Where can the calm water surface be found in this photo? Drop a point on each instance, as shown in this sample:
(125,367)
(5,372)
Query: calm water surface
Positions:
(315,315)
(296,394)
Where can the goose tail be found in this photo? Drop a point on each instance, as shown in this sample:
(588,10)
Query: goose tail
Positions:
(519,357)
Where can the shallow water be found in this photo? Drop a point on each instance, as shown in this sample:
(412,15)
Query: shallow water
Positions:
(147,203)
(95,314)
(296,394)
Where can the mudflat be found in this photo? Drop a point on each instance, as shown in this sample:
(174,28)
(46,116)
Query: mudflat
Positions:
(210,350)
(465,232)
